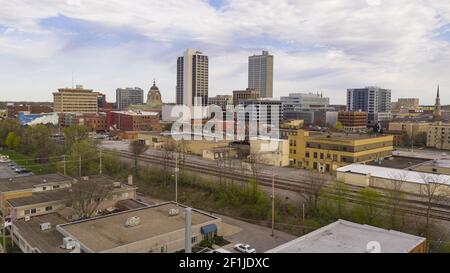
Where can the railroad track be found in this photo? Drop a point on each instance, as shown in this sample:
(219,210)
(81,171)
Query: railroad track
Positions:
(406,205)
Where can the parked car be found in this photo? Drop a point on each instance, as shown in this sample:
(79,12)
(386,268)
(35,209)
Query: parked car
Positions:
(219,250)
(245,248)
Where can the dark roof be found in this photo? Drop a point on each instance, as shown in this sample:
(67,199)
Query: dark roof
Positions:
(46,241)
(399,162)
(28,182)
(41,197)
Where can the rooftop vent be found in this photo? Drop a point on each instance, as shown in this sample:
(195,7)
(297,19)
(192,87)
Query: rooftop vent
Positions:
(45,226)
(133,222)
(174,212)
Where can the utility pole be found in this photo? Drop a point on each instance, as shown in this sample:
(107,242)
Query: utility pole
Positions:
(412,138)
(4,231)
(101,171)
(64,162)
(176,178)
(273,203)
(80,166)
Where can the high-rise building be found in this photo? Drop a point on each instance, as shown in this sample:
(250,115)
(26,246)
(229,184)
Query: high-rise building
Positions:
(248,94)
(303,102)
(129,96)
(310,107)
(75,100)
(260,74)
(373,100)
(192,78)
(221,100)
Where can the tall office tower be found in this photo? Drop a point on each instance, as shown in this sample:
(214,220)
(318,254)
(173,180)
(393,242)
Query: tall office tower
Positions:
(373,100)
(129,96)
(192,78)
(260,74)
(75,100)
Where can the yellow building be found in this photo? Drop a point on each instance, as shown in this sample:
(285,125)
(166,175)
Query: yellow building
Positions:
(439,136)
(75,100)
(20,187)
(326,152)
(410,128)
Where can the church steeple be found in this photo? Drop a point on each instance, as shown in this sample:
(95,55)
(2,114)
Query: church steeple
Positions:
(437,107)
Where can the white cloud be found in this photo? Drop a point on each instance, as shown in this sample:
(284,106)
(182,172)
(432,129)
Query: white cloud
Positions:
(319,45)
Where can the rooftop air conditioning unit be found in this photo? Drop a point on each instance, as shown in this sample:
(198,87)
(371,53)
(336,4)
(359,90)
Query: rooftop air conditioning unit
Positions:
(117,184)
(85,178)
(174,212)
(45,226)
(68,243)
(27,218)
(133,221)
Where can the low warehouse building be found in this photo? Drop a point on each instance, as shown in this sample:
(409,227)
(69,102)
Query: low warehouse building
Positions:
(347,237)
(158,230)
(381,177)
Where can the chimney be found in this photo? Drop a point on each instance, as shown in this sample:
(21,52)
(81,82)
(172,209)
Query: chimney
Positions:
(130,180)
(188,231)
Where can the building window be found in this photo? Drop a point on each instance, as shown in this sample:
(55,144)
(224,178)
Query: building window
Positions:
(27,212)
(194,240)
(49,208)
(321,156)
(307,154)
(315,155)
(33,211)
(315,165)
(56,187)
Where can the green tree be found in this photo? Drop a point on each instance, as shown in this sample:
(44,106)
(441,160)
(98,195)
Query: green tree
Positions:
(74,134)
(367,211)
(7,126)
(83,159)
(137,148)
(9,142)
(36,142)
(339,127)
(112,164)
(16,143)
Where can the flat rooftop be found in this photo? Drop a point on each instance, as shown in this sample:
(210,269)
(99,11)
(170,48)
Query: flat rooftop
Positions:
(108,232)
(28,182)
(438,163)
(342,136)
(41,197)
(62,194)
(399,162)
(347,237)
(48,241)
(396,174)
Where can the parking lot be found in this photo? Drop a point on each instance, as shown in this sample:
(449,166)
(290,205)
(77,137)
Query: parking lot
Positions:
(7,172)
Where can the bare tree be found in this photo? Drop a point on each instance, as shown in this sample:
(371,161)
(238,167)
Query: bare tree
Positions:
(86,196)
(256,161)
(396,196)
(137,147)
(315,181)
(431,192)
(167,152)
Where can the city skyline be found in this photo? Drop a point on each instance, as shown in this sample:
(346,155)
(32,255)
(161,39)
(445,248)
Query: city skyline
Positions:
(346,49)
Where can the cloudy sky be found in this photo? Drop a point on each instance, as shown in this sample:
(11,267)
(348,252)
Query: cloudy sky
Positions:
(327,45)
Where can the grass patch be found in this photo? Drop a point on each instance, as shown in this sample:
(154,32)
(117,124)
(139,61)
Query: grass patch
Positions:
(29,162)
